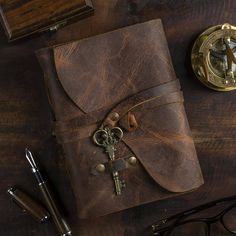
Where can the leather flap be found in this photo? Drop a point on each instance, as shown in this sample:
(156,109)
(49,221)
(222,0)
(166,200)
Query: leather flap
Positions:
(165,148)
(100,71)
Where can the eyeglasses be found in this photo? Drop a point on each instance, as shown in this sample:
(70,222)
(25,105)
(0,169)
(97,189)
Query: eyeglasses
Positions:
(190,223)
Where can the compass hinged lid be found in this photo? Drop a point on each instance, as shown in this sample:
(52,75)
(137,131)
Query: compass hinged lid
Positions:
(214,57)
(24,17)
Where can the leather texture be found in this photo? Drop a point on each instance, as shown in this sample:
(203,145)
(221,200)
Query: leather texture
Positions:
(127,72)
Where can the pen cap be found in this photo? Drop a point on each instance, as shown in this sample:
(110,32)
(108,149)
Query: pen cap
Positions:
(29,205)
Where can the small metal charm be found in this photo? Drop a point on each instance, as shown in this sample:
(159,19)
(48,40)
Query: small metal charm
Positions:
(107,138)
(100,168)
(132,161)
(214,57)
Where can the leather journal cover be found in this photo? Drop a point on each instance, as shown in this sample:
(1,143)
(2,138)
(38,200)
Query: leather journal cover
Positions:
(123,84)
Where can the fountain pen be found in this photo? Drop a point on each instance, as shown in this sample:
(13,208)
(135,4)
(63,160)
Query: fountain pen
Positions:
(60,223)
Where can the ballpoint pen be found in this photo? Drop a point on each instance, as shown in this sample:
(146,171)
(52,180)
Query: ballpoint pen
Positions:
(60,223)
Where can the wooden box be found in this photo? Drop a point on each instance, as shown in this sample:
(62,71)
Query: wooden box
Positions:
(24,17)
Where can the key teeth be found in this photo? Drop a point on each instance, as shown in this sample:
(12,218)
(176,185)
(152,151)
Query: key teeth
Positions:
(122,185)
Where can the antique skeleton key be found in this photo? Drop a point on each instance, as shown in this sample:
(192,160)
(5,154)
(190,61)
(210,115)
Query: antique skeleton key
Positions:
(108,138)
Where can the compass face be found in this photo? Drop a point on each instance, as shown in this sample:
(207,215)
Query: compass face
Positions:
(214,57)
(218,58)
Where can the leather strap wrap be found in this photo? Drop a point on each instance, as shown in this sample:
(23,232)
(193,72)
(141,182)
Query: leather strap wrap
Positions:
(113,166)
(138,99)
(81,132)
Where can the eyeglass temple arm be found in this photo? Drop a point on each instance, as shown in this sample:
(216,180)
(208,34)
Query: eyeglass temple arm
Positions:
(189,212)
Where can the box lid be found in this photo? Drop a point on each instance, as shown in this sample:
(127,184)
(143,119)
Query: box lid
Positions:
(24,17)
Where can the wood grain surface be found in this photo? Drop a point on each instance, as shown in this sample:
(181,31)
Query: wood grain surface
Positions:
(23,17)
(25,119)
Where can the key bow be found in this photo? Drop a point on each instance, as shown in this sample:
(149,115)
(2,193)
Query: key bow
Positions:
(105,136)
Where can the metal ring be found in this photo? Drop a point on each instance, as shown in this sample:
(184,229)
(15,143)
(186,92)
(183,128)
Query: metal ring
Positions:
(119,134)
(95,137)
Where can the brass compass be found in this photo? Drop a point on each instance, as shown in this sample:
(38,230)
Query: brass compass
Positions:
(214,57)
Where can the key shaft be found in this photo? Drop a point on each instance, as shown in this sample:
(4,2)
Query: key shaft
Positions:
(110,149)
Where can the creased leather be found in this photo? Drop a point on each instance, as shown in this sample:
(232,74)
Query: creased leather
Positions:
(127,71)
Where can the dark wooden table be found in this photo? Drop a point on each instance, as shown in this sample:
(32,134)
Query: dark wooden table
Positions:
(25,117)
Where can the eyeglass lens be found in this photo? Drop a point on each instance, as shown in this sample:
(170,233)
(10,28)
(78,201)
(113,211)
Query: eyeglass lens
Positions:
(201,228)
(192,228)
(229,220)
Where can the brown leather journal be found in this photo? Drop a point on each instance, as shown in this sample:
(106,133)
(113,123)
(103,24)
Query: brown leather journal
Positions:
(120,82)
